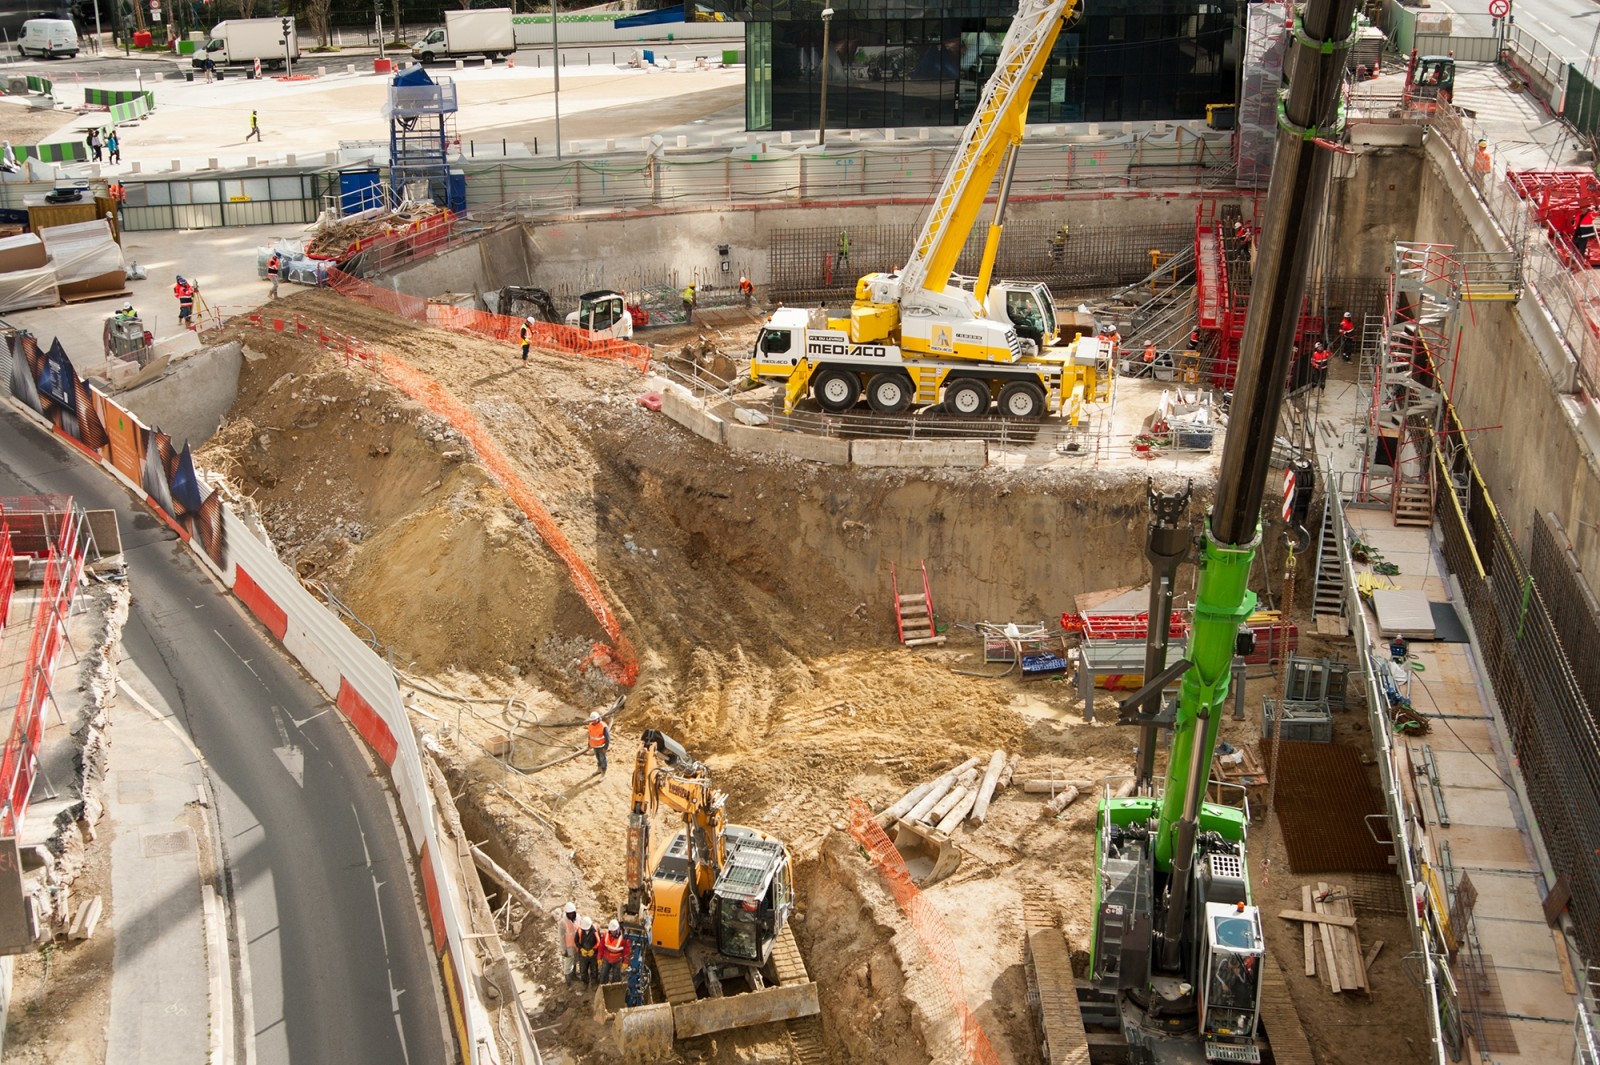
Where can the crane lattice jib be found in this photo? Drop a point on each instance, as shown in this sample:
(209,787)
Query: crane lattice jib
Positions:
(997,124)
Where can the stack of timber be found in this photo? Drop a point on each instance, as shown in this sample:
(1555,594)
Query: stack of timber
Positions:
(1329,921)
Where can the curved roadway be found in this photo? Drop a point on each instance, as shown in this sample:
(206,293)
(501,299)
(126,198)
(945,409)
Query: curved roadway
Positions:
(338,968)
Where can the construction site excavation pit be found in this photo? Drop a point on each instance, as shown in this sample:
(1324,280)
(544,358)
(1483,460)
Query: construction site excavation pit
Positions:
(754,597)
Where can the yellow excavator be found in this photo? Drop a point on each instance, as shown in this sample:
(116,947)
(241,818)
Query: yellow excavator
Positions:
(710,908)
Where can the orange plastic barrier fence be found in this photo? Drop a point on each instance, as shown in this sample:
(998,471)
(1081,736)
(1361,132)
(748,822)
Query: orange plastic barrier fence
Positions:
(928,923)
(504,327)
(619,662)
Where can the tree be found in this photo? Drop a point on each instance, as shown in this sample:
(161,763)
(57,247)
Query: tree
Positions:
(317,14)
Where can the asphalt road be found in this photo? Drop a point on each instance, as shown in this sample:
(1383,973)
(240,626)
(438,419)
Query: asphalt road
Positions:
(338,966)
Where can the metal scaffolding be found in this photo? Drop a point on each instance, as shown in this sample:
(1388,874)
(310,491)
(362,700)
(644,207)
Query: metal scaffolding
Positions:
(1264,47)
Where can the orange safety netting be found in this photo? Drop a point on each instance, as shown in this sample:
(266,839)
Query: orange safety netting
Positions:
(617,661)
(928,923)
(565,339)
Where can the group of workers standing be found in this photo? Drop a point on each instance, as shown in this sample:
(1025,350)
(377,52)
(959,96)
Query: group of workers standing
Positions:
(1321,357)
(592,955)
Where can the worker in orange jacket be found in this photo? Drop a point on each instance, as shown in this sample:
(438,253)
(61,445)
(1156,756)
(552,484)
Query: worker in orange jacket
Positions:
(599,740)
(1319,366)
(614,950)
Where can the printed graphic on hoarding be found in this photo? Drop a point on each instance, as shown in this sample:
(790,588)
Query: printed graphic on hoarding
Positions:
(47,382)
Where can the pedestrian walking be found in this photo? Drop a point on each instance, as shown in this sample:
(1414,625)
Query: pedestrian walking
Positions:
(185,291)
(568,926)
(255,128)
(209,65)
(599,740)
(587,943)
(688,303)
(97,147)
(274,271)
(1319,366)
(113,147)
(527,336)
(614,951)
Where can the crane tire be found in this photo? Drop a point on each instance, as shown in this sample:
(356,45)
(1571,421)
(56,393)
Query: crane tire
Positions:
(1022,400)
(889,393)
(967,397)
(836,390)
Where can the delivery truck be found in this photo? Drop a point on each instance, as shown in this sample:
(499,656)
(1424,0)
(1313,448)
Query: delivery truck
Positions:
(244,40)
(485,31)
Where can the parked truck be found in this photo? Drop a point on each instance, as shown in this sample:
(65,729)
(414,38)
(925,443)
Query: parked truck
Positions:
(244,40)
(484,31)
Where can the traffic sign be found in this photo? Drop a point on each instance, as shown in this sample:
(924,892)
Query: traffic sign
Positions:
(1288,493)
(1499,8)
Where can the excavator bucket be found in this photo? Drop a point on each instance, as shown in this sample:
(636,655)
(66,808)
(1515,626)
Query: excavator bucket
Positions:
(930,855)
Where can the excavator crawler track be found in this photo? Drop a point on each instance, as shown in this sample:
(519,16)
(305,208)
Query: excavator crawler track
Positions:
(805,1035)
(677,979)
(787,960)
(1286,1035)
(1052,989)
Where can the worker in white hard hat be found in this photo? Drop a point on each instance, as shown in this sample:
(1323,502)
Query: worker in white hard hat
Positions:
(614,948)
(127,311)
(588,943)
(527,335)
(568,925)
(599,740)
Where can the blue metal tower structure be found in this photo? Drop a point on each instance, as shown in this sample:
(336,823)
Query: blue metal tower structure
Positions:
(421,113)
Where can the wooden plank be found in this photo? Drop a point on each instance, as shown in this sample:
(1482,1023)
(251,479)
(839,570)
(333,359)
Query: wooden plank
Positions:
(1310,932)
(1330,953)
(1372,955)
(1569,983)
(1318,918)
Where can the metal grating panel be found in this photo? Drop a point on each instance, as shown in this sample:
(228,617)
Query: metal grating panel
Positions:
(1322,797)
(1483,1007)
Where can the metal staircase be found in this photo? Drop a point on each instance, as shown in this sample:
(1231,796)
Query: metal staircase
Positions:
(421,131)
(913,612)
(1328,596)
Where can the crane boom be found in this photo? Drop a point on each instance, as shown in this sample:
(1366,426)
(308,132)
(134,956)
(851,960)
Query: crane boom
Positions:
(996,129)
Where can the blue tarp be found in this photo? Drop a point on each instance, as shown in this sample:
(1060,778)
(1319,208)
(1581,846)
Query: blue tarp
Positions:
(412,76)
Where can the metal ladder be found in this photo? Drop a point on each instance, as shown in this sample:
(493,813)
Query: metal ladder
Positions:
(1328,597)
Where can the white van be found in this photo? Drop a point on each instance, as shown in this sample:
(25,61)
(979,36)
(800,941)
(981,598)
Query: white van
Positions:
(48,37)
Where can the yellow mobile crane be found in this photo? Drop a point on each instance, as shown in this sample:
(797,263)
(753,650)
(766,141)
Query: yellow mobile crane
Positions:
(924,332)
(712,906)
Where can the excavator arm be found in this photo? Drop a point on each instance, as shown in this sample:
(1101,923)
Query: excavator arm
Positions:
(665,775)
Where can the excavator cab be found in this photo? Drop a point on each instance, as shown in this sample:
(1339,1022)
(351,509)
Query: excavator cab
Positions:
(1230,991)
(604,314)
(754,895)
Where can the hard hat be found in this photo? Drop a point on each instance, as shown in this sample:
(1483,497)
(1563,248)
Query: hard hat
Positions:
(1347,314)
(180,277)
(1320,346)
(127,306)
(585,924)
(594,715)
(614,927)
(572,909)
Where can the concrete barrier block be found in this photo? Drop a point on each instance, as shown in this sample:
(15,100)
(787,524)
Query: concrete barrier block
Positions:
(960,454)
(678,405)
(748,438)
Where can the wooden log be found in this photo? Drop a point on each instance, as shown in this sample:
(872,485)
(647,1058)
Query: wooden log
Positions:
(1330,952)
(1125,789)
(1318,918)
(1052,787)
(1310,931)
(1060,802)
(969,778)
(902,806)
(506,880)
(959,812)
(948,803)
(941,786)
(985,793)
(1009,771)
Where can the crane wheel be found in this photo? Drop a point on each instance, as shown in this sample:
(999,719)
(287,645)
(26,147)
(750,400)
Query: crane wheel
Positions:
(1022,400)
(967,398)
(889,393)
(837,390)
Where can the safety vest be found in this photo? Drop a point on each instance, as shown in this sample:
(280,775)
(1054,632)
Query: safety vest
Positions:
(588,942)
(273,266)
(569,932)
(599,735)
(612,950)
(1346,327)
(527,332)
(1319,359)
(688,295)
(1150,353)
(745,286)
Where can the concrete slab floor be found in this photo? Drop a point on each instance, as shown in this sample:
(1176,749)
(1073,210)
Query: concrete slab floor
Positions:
(1475,846)
(1514,945)
(1471,806)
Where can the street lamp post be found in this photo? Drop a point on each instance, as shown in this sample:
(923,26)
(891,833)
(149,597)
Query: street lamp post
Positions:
(555,68)
(822,119)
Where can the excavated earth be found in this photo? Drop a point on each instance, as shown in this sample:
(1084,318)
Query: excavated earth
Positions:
(757,595)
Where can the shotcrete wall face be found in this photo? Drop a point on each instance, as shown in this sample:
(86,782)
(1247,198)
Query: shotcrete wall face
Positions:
(1372,204)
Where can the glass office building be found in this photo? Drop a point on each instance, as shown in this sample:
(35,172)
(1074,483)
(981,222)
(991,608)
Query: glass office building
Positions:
(903,63)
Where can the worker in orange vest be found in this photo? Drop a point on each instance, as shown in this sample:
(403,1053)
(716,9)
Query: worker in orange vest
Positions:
(1347,335)
(569,941)
(185,291)
(588,943)
(747,289)
(614,950)
(1149,357)
(1319,366)
(274,272)
(1482,162)
(599,739)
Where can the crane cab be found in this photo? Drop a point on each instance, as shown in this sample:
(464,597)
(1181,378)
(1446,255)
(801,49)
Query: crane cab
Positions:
(1029,309)
(1230,986)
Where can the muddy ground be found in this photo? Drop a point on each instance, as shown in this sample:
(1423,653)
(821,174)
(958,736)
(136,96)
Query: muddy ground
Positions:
(757,595)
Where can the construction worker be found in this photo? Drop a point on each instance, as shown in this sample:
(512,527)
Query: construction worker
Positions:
(614,951)
(1058,243)
(746,289)
(526,335)
(255,128)
(568,925)
(1482,163)
(1319,366)
(587,943)
(1585,232)
(844,249)
(1149,358)
(599,740)
(185,291)
(274,271)
(1347,335)
(688,303)
(126,312)
(1194,340)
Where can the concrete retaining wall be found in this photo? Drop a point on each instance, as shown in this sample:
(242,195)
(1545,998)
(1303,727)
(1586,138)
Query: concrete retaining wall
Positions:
(761,441)
(681,407)
(188,401)
(956,454)
(486,265)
